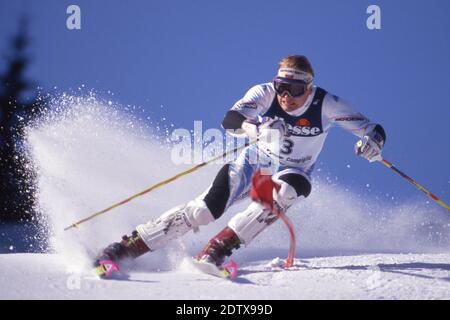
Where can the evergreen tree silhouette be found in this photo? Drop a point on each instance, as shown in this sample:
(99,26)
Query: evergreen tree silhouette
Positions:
(18,105)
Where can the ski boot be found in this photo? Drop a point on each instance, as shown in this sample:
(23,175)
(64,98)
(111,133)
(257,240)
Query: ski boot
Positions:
(131,247)
(211,259)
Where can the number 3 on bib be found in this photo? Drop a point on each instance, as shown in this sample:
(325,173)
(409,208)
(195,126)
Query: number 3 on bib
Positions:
(287,146)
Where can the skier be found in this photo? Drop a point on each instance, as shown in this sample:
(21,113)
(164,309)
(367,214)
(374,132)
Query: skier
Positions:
(301,115)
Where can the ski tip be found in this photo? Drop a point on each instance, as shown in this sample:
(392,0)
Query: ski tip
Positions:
(232,268)
(105,269)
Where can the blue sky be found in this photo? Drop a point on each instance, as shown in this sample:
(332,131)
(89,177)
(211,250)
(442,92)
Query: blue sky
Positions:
(196,58)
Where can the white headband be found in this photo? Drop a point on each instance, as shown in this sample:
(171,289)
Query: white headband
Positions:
(295,74)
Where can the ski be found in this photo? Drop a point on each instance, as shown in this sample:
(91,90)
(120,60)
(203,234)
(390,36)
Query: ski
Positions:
(106,269)
(227,271)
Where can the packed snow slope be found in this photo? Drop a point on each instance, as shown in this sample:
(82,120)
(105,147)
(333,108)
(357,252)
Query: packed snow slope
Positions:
(376,276)
(88,155)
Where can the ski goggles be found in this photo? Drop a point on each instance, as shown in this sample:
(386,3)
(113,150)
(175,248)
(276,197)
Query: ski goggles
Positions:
(292,81)
(295,88)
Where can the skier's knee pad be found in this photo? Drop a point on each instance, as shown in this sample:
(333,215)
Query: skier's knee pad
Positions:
(174,223)
(198,213)
(286,195)
(293,187)
(249,223)
(298,181)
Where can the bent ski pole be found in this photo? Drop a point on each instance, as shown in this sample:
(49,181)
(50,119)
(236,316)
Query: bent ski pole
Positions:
(179,175)
(412,181)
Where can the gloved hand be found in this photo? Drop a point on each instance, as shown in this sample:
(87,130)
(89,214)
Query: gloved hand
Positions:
(370,147)
(264,130)
(273,124)
(251,129)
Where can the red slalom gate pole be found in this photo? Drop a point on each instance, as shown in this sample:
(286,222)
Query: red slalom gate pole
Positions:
(262,187)
(293,240)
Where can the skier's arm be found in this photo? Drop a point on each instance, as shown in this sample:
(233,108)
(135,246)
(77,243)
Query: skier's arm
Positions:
(338,112)
(242,119)
(233,120)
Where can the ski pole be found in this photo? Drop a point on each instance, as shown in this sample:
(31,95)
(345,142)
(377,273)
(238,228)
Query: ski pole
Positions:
(179,175)
(415,183)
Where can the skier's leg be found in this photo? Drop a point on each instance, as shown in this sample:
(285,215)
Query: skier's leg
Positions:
(174,223)
(246,225)
(156,234)
(231,182)
(293,186)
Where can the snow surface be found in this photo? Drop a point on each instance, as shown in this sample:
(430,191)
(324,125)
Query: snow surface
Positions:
(87,155)
(375,276)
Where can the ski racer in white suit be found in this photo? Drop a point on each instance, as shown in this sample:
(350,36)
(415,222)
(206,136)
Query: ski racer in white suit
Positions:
(299,115)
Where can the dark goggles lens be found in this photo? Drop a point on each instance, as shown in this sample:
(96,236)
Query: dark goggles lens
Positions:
(295,89)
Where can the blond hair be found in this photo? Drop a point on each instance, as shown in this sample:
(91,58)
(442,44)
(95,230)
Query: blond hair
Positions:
(298,62)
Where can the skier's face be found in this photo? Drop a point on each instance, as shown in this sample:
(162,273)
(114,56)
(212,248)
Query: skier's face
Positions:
(289,103)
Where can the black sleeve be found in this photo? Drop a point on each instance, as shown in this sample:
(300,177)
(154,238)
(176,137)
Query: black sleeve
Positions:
(233,120)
